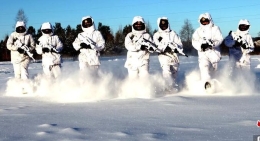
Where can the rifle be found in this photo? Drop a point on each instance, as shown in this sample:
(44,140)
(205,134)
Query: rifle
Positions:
(50,47)
(174,46)
(243,42)
(150,44)
(88,41)
(206,44)
(26,49)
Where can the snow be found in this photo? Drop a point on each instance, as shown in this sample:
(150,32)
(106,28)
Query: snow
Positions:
(79,107)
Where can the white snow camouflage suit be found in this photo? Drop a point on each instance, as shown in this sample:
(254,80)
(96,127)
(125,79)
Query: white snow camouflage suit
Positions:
(137,61)
(208,60)
(239,57)
(51,61)
(89,58)
(169,63)
(20,61)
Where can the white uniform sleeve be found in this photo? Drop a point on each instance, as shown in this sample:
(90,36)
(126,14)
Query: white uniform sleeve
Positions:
(250,43)
(177,40)
(59,45)
(161,45)
(130,44)
(10,43)
(76,43)
(217,38)
(196,41)
(39,46)
(100,42)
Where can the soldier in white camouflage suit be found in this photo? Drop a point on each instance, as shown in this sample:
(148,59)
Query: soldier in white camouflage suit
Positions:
(18,43)
(49,47)
(89,42)
(240,44)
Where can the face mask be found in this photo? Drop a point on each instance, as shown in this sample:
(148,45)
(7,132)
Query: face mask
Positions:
(20,29)
(138,26)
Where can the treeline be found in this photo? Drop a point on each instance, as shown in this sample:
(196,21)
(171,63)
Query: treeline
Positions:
(114,42)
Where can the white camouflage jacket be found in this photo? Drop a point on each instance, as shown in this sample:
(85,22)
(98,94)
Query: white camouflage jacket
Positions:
(135,56)
(162,38)
(18,38)
(209,31)
(90,56)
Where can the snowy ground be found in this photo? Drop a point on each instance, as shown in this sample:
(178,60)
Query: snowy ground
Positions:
(112,108)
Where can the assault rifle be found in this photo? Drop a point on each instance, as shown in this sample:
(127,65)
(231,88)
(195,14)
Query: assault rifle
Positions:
(241,41)
(88,41)
(26,49)
(174,46)
(50,47)
(206,44)
(149,45)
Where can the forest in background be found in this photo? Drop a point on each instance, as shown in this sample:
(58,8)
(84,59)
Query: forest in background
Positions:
(114,42)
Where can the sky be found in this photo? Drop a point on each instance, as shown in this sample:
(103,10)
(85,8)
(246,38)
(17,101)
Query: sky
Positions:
(115,109)
(118,13)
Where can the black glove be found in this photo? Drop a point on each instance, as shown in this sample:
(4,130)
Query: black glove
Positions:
(205,46)
(167,49)
(176,51)
(159,39)
(44,50)
(143,47)
(238,43)
(84,45)
(244,46)
(151,49)
(21,51)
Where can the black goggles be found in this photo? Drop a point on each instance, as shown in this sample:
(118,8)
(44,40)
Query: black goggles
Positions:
(204,21)
(243,27)
(47,31)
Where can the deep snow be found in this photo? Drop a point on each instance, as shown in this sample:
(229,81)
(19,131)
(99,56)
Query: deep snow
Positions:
(79,107)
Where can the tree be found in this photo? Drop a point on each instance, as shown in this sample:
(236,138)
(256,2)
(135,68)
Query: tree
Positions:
(31,30)
(186,37)
(78,29)
(21,17)
(70,37)
(119,37)
(186,31)
(108,36)
(119,40)
(149,28)
(60,32)
(5,53)
(127,29)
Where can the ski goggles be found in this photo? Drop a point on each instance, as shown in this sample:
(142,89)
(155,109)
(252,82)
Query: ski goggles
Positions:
(243,27)
(46,31)
(204,21)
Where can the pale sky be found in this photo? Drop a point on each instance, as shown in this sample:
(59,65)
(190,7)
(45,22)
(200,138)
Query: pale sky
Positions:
(115,13)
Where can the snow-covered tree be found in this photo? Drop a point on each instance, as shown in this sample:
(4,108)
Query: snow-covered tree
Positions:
(21,17)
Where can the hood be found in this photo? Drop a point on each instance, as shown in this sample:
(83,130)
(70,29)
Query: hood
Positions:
(135,19)
(89,29)
(208,16)
(47,25)
(246,22)
(21,23)
(158,23)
